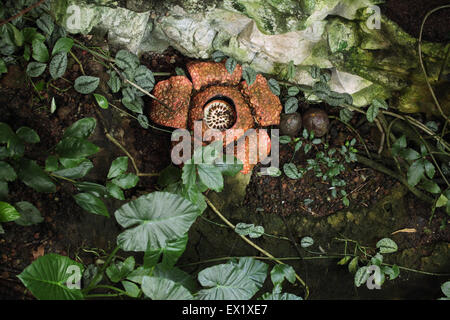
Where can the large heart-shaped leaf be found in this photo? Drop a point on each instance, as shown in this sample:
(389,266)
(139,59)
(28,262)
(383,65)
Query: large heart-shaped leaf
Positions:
(164,289)
(50,276)
(228,282)
(171,251)
(154,219)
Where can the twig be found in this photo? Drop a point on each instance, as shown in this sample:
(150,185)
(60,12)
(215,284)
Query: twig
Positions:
(21,13)
(305,286)
(421,60)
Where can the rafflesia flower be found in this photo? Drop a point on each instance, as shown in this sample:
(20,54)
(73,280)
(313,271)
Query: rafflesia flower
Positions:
(221,101)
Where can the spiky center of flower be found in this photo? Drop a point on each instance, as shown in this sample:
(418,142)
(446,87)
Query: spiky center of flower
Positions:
(219,114)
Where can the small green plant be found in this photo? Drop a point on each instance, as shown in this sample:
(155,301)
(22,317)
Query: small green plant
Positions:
(327,164)
(445,288)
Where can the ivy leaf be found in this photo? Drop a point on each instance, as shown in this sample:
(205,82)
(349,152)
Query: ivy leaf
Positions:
(415,173)
(46,24)
(372,113)
(315,72)
(58,65)
(291,70)
(126,60)
(145,79)
(380,104)
(35,69)
(62,45)
(40,51)
(291,171)
(387,245)
(218,56)
(345,115)
(86,84)
(230,65)
(118,167)
(306,242)
(143,121)
(249,75)
(293,91)
(361,276)
(126,181)
(291,105)
(114,82)
(91,204)
(82,128)
(274,86)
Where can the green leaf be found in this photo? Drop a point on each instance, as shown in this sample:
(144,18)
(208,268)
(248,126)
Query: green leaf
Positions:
(274,172)
(344,260)
(8,212)
(306,242)
(48,277)
(274,86)
(315,72)
(430,186)
(126,181)
(82,128)
(29,214)
(280,296)
(96,189)
(361,276)
(35,69)
(345,115)
(153,219)
(114,82)
(75,148)
(291,70)
(18,35)
(76,172)
(143,121)
(391,272)
(115,191)
(409,154)
(164,289)
(387,245)
(53,105)
(445,287)
(211,176)
(131,288)
(372,113)
(171,252)
(101,101)
(46,24)
(291,171)
(126,60)
(253,268)
(34,177)
(441,201)
(189,174)
(293,91)
(28,135)
(51,163)
(169,175)
(218,56)
(432,125)
(353,265)
(7,172)
(280,272)
(429,169)
(250,230)
(58,65)
(380,104)
(62,45)
(175,274)
(249,75)
(226,282)
(145,79)
(119,270)
(285,139)
(91,204)
(86,84)
(291,105)
(40,51)
(136,104)
(118,167)
(3,68)
(415,173)
(230,65)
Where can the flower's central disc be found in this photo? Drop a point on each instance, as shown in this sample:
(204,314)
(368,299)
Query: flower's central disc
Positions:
(219,114)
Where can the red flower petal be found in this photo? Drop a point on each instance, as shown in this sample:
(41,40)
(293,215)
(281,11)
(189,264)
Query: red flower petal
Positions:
(207,73)
(175,92)
(266,105)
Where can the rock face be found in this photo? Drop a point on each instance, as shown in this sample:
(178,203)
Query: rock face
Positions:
(369,55)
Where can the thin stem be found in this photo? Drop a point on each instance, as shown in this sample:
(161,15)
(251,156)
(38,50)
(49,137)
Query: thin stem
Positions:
(78,61)
(305,286)
(102,270)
